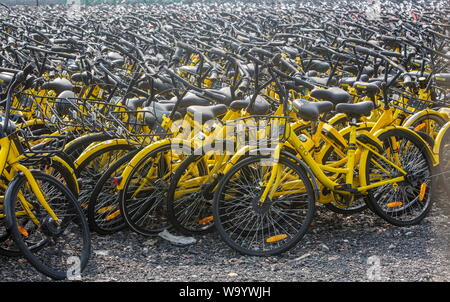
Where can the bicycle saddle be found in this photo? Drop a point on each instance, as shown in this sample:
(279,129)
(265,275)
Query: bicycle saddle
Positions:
(10,128)
(260,106)
(63,103)
(317,65)
(152,115)
(371,89)
(158,85)
(335,95)
(321,81)
(5,78)
(191,99)
(58,85)
(134,103)
(442,79)
(353,69)
(349,81)
(206,113)
(223,95)
(310,111)
(356,110)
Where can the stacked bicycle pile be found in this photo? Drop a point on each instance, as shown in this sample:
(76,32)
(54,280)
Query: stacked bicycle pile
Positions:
(232,117)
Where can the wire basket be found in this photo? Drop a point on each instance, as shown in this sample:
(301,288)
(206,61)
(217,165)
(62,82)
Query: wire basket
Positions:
(410,103)
(82,114)
(37,144)
(141,127)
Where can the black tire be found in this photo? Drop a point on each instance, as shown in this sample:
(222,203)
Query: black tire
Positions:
(65,205)
(189,213)
(74,150)
(401,204)
(276,243)
(105,196)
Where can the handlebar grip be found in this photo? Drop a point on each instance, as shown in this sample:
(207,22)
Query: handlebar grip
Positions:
(218,52)
(279,60)
(253,59)
(186,46)
(214,74)
(367,51)
(261,52)
(392,54)
(303,83)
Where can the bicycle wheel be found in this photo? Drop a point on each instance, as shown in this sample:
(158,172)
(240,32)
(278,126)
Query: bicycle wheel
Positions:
(142,200)
(402,203)
(429,124)
(103,213)
(93,167)
(265,230)
(189,199)
(62,244)
(57,170)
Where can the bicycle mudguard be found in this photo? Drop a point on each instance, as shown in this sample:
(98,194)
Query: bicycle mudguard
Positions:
(98,146)
(79,139)
(184,145)
(438,140)
(69,168)
(434,160)
(336,118)
(413,118)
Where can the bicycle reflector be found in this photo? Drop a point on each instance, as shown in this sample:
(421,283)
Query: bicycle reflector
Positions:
(276,238)
(23,231)
(206,220)
(394,204)
(423,190)
(117,180)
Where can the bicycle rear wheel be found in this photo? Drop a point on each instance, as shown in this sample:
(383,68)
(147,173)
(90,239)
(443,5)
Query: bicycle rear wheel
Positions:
(65,246)
(402,203)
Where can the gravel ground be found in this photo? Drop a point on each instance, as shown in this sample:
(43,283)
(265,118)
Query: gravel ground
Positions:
(335,249)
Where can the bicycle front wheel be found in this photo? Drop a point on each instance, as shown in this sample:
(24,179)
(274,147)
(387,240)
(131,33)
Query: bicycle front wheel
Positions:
(268,229)
(65,243)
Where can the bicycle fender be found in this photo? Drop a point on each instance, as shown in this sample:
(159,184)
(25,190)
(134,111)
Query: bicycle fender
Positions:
(98,146)
(413,118)
(434,160)
(184,144)
(438,140)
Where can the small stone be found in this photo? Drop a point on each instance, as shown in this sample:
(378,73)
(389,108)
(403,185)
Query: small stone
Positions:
(302,257)
(325,247)
(232,274)
(408,233)
(102,252)
(392,246)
